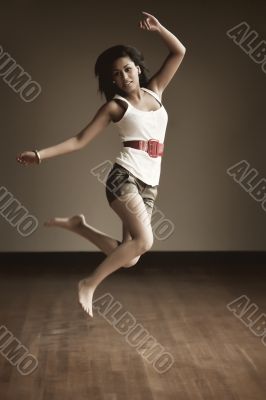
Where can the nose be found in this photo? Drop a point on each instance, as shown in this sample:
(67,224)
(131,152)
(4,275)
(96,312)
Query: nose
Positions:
(123,76)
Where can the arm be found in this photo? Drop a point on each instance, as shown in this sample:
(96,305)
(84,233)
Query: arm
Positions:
(77,142)
(177,50)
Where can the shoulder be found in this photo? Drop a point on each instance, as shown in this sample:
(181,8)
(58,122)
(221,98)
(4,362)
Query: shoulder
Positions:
(114,109)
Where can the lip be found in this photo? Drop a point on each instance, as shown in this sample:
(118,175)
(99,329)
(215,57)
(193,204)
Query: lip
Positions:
(127,84)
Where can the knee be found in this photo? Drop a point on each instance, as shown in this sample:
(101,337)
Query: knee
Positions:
(146,244)
(132,262)
(142,245)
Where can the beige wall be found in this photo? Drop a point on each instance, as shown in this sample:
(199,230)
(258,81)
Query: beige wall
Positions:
(216,106)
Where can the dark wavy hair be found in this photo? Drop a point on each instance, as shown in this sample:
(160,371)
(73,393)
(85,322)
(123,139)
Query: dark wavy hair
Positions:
(103,68)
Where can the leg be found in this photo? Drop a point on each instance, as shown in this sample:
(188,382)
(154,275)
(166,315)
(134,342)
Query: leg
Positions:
(104,242)
(126,237)
(133,213)
(78,225)
(150,196)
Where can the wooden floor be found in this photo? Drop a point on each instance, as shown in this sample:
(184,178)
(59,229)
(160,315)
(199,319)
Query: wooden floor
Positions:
(216,356)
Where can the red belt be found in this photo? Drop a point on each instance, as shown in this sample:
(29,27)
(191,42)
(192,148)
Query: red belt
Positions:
(152,146)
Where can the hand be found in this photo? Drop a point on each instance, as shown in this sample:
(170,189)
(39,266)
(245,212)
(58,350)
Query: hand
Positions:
(27,157)
(150,23)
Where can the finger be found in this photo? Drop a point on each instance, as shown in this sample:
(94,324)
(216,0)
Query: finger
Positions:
(146,24)
(144,12)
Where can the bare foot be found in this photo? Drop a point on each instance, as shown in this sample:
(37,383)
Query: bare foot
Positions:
(86,290)
(68,223)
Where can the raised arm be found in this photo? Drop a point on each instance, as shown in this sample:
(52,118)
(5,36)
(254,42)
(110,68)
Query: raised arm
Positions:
(100,121)
(177,50)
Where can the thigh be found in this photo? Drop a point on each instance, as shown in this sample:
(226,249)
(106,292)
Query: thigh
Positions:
(149,195)
(125,232)
(125,196)
(117,178)
(132,211)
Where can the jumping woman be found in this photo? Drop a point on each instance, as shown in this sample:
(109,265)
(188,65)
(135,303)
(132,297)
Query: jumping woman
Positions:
(134,104)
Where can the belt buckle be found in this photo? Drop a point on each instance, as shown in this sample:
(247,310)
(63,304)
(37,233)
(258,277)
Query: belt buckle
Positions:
(153,147)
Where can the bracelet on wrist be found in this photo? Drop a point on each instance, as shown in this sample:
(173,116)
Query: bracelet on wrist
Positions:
(38,156)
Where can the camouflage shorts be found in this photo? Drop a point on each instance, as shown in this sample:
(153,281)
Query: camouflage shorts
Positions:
(120,181)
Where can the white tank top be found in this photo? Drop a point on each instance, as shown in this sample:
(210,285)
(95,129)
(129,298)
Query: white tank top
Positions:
(142,125)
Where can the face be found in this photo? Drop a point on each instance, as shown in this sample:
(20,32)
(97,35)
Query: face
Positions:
(125,74)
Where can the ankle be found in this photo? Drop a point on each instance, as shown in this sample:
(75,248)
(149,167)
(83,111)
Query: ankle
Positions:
(90,282)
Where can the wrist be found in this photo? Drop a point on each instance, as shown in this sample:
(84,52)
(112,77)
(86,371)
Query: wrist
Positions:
(37,154)
(160,28)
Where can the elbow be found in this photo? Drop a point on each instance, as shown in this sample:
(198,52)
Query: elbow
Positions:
(79,143)
(180,52)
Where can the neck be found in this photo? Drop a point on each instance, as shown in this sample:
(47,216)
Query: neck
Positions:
(136,94)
